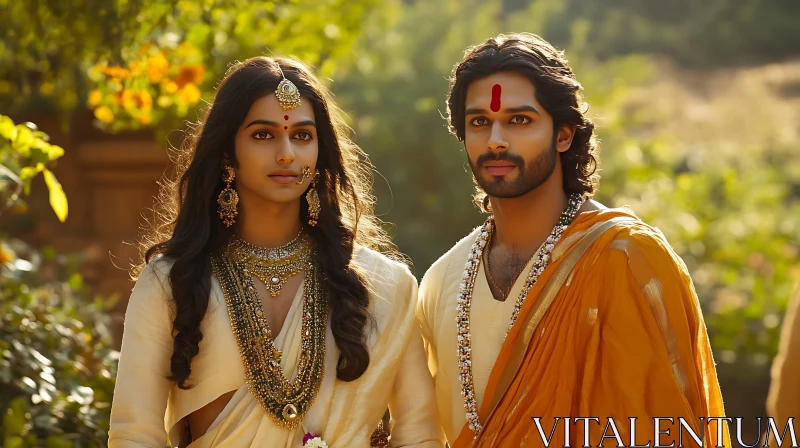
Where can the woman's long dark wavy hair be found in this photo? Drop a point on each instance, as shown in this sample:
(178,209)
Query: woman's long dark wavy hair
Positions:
(557,91)
(187,230)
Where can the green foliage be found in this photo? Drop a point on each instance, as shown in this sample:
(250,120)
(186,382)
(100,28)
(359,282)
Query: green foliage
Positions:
(53,53)
(396,93)
(727,200)
(57,369)
(701,34)
(24,153)
(722,184)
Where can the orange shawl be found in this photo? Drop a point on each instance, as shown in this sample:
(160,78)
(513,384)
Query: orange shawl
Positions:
(612,328)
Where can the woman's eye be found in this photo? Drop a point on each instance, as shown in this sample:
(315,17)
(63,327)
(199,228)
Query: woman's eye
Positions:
(262,135)
(303,135)
(479,121)
(520,119)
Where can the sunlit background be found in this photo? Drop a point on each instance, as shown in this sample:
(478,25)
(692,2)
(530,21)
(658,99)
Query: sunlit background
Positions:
(697,106)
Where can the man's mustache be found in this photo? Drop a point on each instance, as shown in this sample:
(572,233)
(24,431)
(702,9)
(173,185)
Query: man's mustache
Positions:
(504,156)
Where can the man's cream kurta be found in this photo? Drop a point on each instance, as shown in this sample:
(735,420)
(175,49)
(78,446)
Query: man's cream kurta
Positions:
(436,311)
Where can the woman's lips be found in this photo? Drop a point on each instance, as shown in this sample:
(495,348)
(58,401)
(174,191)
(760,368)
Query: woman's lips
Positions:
(283,179)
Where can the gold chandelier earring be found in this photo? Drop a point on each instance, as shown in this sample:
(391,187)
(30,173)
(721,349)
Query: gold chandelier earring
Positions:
(228,199)
(314,206)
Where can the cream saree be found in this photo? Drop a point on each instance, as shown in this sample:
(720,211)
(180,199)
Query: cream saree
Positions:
(147,406)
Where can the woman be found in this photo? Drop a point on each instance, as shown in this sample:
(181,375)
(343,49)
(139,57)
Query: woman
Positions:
(265,314)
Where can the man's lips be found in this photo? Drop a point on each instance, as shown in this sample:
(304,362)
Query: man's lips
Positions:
(499,169)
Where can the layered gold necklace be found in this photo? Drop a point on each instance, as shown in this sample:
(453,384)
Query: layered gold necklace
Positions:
(285,401)
(273,266)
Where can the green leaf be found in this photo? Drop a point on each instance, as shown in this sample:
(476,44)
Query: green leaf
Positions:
(58,200)
(14,422)
(6,127)
(53,151)
(24,139)
(75,281)
(29,172)
(99,303)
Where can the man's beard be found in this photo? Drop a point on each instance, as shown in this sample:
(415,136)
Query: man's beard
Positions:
(532,174)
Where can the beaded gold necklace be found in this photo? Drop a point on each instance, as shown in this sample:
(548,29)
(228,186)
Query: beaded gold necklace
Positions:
(286,402)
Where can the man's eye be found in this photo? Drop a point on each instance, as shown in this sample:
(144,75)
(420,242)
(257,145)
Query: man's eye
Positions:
(479,121)
(520,119)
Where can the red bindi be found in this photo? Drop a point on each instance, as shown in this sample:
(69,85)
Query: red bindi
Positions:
(496,90)
(286,117)
(286,127)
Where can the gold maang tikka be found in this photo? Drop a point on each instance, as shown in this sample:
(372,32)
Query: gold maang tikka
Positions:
(287,93)
(228,199)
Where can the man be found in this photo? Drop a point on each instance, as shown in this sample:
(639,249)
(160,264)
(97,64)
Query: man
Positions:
(557,307)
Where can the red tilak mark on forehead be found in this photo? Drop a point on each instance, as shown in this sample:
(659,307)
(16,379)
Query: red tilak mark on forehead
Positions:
(286,117)
(286,127)
(496,90)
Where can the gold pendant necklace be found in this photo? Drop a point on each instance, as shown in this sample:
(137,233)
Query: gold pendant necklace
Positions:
(273,266)
(286,402)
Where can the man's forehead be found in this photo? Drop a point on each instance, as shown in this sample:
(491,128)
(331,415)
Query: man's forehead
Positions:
(512,87)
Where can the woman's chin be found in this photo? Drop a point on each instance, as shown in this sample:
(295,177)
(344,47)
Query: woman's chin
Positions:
(280,198)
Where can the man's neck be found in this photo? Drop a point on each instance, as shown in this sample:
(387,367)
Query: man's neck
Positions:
(268,224)
(525,222)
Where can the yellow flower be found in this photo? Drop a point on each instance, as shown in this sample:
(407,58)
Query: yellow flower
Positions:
(95,97)
(164,102)
(193,74)
(144,101)
(157,67)
(144,119)
(170,87)
(190,94)
(127,99)
(117,97)
(136,68)
(104,114)
(116,72)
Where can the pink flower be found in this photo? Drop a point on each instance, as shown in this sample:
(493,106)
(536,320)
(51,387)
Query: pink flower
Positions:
(308,437)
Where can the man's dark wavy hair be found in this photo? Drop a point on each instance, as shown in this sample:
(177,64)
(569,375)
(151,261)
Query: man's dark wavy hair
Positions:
(557,91)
